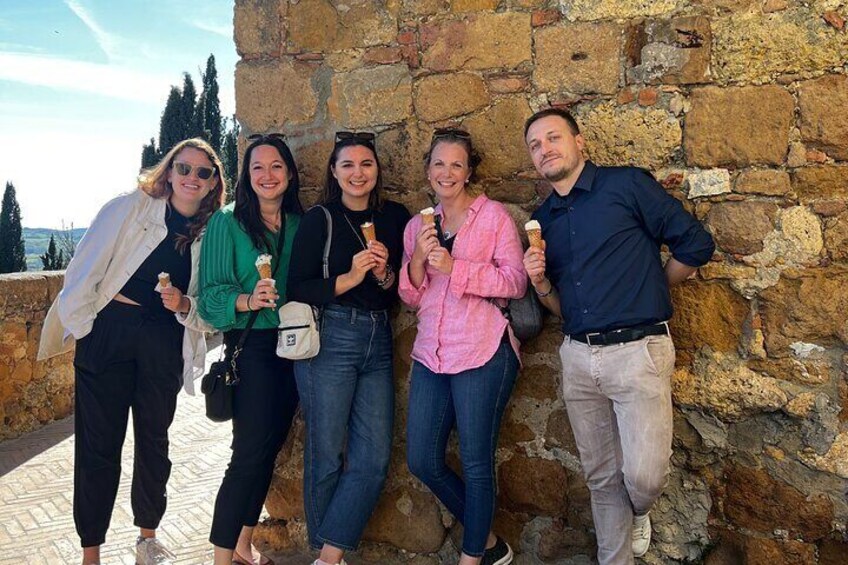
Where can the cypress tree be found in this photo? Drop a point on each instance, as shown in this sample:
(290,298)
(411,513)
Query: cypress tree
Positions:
(52,260)
(149,156)
(12,255)
(229,156)
(191,120)
(172,127)
(211,105)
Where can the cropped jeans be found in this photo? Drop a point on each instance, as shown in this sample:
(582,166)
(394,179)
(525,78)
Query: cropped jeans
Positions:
(347,398)
(474,401)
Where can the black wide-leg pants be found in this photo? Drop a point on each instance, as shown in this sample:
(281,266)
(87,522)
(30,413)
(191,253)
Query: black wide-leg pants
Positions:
(128,361)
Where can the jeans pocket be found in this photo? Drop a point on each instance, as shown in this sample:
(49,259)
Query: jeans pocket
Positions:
(659,354)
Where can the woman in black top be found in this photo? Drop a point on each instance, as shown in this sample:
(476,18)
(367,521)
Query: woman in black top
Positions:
(346,391)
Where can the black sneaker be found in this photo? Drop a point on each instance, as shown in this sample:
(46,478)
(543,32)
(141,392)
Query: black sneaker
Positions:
(499,554)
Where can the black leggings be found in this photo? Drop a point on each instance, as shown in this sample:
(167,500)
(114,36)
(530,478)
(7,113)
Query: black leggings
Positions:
(129,360)
(264,404)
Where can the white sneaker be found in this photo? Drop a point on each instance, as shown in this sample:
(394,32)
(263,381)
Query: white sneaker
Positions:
(641,535)
(318,562)
(150,551)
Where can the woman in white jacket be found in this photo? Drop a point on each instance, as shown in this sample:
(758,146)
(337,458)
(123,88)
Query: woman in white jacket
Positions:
(138,337)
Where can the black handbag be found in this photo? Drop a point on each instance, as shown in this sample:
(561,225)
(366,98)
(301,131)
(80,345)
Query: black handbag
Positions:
(219,383)
(524,315)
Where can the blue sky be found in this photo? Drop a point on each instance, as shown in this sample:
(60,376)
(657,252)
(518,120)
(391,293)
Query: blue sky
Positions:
(82,86)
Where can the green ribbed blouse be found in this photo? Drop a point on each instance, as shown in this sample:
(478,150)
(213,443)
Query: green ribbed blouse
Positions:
(228,268)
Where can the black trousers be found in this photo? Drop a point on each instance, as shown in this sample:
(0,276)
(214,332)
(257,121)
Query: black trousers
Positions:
(127,361)
(264,405)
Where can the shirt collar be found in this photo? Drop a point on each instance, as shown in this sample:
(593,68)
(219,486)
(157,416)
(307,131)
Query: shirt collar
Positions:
(584,182)
(474,208)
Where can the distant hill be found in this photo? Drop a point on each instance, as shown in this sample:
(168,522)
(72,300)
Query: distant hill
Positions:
(36,241)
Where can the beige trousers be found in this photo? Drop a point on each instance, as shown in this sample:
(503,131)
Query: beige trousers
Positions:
(618,399)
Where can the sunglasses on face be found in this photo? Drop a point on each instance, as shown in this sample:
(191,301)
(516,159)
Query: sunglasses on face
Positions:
(365,136)
(266,136)
(451,132)
(203,173)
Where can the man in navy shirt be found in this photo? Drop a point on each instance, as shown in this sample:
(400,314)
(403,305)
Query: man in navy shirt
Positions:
(601,271)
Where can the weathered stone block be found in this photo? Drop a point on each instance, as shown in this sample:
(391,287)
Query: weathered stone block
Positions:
(578,58)
(438,97)
(643,137)
(365,97)
(763,551)
(274,94)
(257,26)
(330,25)
(806,306)
(746,506)
(497,135)
(708,183)
(575,10)
(402,152)
(472,5)
(409,519)
(675,51)
(707,314)
(530,484)
(797,40)
(836,237)
(721,384)
(821,183)
(21,295)
(477,41)
(740,227)
(738,126)
(819,127)
(765,182)
(517,192)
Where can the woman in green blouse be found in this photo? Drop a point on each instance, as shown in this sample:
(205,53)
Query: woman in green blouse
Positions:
(263,220)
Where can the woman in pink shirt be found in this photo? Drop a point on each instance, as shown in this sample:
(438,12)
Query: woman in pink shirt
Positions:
(465,355)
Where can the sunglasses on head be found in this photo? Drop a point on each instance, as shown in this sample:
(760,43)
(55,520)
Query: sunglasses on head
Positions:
(365,136)
(203,173)
(266,136)
(451,132)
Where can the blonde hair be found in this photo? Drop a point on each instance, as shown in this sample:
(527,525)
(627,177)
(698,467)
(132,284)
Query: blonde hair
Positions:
(154,182)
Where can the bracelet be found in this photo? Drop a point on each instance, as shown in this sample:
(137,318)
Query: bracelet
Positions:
(249,309)
(545,294)
(385,280)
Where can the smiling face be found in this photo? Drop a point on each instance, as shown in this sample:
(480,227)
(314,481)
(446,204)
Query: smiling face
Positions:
(555,150)
(189,189)
(448,170)
(356,171)
(269,176)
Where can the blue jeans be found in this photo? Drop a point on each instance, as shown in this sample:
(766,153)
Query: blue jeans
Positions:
(474,400)
(347,398)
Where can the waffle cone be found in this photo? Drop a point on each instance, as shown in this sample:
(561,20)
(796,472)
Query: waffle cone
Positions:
(535,237)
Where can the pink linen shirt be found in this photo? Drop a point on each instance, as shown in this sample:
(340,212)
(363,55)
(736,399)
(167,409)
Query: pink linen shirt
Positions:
(458,328)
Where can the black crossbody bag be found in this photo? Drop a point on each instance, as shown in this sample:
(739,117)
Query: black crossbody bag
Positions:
(218,385)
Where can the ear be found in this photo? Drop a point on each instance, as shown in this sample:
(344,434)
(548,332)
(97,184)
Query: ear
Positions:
(581,142)
(333,170)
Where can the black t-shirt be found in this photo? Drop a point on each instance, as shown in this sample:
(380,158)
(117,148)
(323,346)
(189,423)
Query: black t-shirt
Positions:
(165,258)
(306,282)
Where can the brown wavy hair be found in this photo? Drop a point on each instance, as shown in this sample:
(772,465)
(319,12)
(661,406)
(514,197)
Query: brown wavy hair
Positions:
(154,182)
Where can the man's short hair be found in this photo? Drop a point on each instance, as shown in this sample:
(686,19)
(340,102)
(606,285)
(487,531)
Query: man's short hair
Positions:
(562,113)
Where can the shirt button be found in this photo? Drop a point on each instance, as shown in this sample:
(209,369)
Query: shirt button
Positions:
(573,233)
(585,311)
(579,283)
(571,208)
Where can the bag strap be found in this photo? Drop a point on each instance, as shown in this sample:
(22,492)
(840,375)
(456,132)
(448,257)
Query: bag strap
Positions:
(255,313)
(328,242)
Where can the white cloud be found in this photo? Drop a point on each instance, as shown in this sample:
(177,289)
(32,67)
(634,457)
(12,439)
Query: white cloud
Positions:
(224,30)
(107,41)
(81,76)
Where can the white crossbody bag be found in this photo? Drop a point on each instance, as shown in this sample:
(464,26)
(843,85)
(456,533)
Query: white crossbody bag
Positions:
(298,336)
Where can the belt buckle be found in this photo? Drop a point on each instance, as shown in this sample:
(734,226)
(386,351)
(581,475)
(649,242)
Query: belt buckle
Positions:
(589,337)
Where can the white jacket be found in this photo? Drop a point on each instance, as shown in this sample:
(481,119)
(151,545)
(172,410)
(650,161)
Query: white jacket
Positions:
(124,233)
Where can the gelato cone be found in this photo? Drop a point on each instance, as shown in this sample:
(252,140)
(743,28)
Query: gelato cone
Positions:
(263,265)
(534,234)
(369,232)
(164,280)
(428,217)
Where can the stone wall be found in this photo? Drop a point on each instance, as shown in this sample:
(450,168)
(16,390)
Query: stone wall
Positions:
(32,393)
(738,106)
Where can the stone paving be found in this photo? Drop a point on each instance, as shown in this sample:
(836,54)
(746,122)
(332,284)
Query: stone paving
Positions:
(36,494)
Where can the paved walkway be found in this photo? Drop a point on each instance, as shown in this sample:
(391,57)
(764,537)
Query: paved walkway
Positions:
(36,494)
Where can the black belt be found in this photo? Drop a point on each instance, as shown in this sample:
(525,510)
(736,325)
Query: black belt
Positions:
(623,335)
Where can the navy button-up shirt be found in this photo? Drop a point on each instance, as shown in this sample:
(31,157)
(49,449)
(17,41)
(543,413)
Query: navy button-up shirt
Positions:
(603,248)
